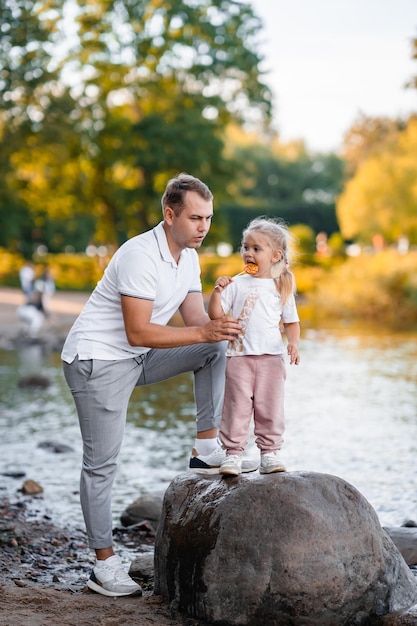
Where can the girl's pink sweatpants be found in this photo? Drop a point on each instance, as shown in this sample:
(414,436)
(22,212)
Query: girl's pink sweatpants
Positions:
(254,384)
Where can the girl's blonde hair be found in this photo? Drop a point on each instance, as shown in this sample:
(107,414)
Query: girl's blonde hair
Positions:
(280,239)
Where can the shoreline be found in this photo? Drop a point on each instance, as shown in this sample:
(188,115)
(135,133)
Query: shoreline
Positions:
(63,305)
(43,567)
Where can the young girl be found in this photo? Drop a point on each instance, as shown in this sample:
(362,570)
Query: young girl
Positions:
(255,372)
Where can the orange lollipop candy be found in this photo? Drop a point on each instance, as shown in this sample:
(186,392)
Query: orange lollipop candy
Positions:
(251,268)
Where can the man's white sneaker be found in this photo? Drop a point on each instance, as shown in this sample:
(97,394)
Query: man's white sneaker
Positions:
(110,579)
(210,463)
(271,463)
(232,465)
(207,463)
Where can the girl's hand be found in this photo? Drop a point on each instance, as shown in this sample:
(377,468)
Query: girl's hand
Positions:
(292,350)
(222,282)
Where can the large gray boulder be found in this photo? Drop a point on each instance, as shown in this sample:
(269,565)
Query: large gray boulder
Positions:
(284,549)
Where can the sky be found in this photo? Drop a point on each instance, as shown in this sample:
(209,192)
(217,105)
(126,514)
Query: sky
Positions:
(328,61)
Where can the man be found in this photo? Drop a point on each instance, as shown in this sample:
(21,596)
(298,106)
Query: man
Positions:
(122,339)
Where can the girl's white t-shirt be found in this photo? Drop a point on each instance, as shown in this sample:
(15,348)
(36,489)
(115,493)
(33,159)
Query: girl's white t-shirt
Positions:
(142,267)
(257,304)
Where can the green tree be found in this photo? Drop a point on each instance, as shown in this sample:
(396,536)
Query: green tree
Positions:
(24,62)
(158,83)
(381,198)
(99,109)
(366,137)
(285,182)
(39,157)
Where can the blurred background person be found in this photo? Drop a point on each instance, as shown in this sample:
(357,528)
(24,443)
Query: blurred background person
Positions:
(27,277)
(36,309)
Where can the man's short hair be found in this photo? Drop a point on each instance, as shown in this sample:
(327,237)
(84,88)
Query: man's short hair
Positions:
(174,195)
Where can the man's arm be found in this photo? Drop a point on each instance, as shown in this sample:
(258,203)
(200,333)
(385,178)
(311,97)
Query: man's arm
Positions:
(192,310)
(140,331)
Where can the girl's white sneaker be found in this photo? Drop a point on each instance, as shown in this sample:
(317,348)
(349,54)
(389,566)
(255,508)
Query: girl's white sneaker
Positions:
(271,463)
(232,465)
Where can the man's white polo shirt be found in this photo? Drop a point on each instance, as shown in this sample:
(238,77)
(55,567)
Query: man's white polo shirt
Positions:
(142,267)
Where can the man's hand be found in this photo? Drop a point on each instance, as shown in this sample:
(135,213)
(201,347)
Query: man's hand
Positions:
(221,329)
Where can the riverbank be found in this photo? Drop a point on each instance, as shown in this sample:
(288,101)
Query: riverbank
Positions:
(344,418)
(44,568)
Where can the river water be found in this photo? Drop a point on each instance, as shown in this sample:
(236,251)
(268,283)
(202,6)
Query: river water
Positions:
(351,409)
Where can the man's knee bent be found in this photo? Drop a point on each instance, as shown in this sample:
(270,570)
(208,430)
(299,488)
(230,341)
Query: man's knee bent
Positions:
(216,352)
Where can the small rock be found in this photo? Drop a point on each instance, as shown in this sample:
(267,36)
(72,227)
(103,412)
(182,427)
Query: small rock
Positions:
(55,446)
(31,488)
(146,508)
(14,474)
(34,381)
(142,566)
(405,538)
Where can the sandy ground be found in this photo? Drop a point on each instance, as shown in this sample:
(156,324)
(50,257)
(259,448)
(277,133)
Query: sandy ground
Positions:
(31,606)
(25,602)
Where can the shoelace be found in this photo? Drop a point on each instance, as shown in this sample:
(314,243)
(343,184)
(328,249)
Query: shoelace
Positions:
(269,459)
(117,571)
(121,575)
(232,458)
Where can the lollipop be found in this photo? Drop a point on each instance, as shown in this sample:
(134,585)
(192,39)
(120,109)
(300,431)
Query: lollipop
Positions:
(251,268)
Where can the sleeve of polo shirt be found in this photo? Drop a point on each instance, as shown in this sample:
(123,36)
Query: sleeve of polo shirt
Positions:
(137,274)
(196,286)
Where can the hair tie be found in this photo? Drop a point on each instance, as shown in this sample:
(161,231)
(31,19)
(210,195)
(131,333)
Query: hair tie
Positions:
(287,266)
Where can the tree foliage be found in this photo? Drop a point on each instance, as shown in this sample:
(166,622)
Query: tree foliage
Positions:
(296,186)
(102,104)
(41,155)
(382,196)
(366,137)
